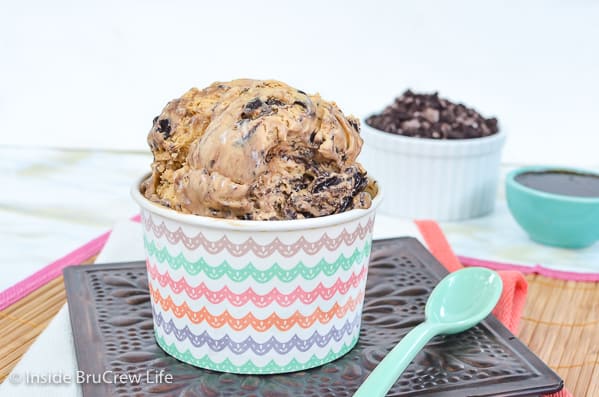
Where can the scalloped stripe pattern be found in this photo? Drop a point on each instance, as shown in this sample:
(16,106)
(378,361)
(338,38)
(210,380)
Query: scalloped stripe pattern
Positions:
(256,302)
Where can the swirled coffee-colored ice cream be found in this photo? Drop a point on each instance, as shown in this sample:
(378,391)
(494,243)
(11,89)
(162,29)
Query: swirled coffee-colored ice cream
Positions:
(260,150)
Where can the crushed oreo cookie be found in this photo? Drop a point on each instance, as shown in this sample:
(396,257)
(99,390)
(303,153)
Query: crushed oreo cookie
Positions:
(164,127)
(257,108)
(274,102)
(429,116)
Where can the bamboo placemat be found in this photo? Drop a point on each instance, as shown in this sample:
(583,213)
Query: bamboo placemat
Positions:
(560,324)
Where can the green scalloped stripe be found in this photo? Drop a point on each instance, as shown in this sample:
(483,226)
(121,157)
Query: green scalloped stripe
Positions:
(260,276)
(249,368)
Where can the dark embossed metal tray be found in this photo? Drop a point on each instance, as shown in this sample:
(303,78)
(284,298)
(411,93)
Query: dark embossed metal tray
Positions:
(112,327)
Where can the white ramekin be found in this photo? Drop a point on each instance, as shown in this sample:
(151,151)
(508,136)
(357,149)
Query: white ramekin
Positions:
(256,297)
(445,180)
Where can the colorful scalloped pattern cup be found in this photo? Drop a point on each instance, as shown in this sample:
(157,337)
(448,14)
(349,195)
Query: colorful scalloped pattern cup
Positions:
(256,297)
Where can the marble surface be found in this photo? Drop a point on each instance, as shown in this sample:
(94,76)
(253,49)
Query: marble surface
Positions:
(53,201)
(498,238)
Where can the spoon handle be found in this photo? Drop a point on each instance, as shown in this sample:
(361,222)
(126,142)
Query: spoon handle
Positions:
(392,366)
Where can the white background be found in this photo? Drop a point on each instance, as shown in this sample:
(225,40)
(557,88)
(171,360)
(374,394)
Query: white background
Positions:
(95,73)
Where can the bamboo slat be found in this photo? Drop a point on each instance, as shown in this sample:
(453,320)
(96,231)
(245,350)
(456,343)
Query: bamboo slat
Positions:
(561,325)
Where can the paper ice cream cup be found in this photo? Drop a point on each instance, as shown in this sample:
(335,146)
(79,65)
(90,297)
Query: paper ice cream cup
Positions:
(256,297)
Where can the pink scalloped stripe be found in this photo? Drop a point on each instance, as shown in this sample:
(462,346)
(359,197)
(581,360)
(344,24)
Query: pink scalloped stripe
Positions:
(249,295)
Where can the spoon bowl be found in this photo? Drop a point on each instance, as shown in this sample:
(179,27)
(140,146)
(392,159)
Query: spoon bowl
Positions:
(463,299)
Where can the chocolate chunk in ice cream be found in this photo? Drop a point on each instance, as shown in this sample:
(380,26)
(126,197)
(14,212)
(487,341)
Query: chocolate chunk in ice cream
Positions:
(164,127)
(256,150)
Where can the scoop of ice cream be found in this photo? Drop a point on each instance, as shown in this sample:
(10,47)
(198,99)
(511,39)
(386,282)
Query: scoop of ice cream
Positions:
(251,149)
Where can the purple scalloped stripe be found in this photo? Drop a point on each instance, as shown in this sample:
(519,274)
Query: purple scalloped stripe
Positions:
(260,349)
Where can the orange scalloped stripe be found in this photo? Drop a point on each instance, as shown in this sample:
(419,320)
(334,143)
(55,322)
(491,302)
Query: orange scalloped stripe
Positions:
(260,325)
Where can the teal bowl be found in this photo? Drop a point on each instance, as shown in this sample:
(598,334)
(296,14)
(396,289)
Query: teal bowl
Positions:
(553,219)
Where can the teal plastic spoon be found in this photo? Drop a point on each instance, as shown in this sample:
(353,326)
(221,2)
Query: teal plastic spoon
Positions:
(460,301)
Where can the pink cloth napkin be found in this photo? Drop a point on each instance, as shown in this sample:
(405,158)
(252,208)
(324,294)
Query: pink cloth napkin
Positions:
(510,305)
